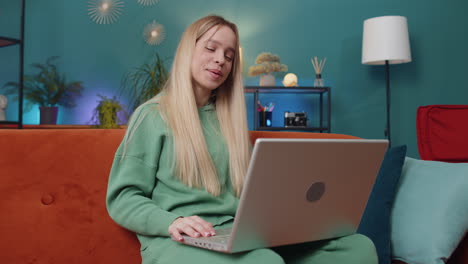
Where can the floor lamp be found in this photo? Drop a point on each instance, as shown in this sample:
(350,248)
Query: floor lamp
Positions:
(385,41)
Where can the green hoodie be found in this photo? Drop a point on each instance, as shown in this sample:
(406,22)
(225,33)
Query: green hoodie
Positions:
(145,196)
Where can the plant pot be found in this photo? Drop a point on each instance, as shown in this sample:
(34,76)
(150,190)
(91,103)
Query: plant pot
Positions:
(48,115)
(267,80)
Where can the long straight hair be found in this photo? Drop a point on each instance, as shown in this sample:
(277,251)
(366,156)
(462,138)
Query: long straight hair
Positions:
(193,163)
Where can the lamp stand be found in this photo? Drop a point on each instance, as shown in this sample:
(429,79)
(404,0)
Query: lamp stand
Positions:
(387,74)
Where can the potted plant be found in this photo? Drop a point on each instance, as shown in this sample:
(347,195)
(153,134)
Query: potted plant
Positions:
(144,82)
(48,88)
(266,63)
(105,114)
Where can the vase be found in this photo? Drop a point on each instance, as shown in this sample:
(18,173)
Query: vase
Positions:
(267,80)
(265,119)
(318,82)
(48,115)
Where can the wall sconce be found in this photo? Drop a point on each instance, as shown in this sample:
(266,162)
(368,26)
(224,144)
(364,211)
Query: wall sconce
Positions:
(105,11)
(148,2)
(154,33)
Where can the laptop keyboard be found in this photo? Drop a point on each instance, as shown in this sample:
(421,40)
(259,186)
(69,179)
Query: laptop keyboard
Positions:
(222,236)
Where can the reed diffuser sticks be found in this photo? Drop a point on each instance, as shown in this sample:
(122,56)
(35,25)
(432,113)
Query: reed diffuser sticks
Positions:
(318,67)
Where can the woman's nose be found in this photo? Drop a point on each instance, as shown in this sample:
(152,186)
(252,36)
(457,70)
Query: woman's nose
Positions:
(220,58)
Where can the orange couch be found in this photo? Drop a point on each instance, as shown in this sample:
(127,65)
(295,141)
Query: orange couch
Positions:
(53,183)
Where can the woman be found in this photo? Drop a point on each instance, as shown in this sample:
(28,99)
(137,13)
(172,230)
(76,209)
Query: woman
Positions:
(181,165)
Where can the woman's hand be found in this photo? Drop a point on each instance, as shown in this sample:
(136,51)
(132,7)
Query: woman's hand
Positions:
(192,226)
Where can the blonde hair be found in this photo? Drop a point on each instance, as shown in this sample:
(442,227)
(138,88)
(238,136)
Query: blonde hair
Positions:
(193,163)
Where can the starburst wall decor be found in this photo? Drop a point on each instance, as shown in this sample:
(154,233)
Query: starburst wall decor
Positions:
(154,33)
(148,2)
(105,11)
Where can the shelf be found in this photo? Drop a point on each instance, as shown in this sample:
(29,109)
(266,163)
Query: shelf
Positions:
(14,125)
(5,41)
(279,89)
(322,117)
(9,122)
(310,129)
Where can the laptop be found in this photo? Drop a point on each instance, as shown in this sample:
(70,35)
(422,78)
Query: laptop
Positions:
(300,190)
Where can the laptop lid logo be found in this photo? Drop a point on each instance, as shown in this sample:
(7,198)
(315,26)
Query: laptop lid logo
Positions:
(315,192)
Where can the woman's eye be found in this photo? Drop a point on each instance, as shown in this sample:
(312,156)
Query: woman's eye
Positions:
(210,48)
(229,58)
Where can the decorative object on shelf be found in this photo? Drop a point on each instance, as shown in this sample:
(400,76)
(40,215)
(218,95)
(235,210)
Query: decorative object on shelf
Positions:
(105,11)
(144,82)
(148,2)
(105,114)
(265,114)
(267,80)
(292,119)
(385,41)
(154,33)
(266,119)
(48,88)
(318,67)
(3,106)
(267,63)
(290,80)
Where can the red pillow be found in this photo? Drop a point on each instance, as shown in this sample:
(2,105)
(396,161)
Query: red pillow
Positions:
(442,132)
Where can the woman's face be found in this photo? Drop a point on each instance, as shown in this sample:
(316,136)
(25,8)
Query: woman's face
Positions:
(213,57)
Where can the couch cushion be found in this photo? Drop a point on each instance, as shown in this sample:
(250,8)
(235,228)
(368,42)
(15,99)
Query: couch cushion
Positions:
(375,222)
(53,185)
(430,213)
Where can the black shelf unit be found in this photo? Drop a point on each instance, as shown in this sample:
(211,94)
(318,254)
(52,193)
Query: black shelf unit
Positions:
(324,94)
(6,42)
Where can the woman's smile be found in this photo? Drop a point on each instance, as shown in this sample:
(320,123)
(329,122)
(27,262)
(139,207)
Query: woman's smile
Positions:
(215,74)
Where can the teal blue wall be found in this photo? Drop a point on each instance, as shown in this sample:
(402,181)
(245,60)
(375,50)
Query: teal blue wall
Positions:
(99,55)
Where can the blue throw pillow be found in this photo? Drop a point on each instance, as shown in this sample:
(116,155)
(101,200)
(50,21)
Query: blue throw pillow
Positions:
(430,212)
(375,222)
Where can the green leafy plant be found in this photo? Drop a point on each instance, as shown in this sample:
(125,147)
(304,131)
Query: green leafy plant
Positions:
(48,87)
(105,113)
(144,82)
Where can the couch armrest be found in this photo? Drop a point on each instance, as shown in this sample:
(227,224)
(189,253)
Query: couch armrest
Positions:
(441,131)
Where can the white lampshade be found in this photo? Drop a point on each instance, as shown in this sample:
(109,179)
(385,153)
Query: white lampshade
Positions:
(385,38)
